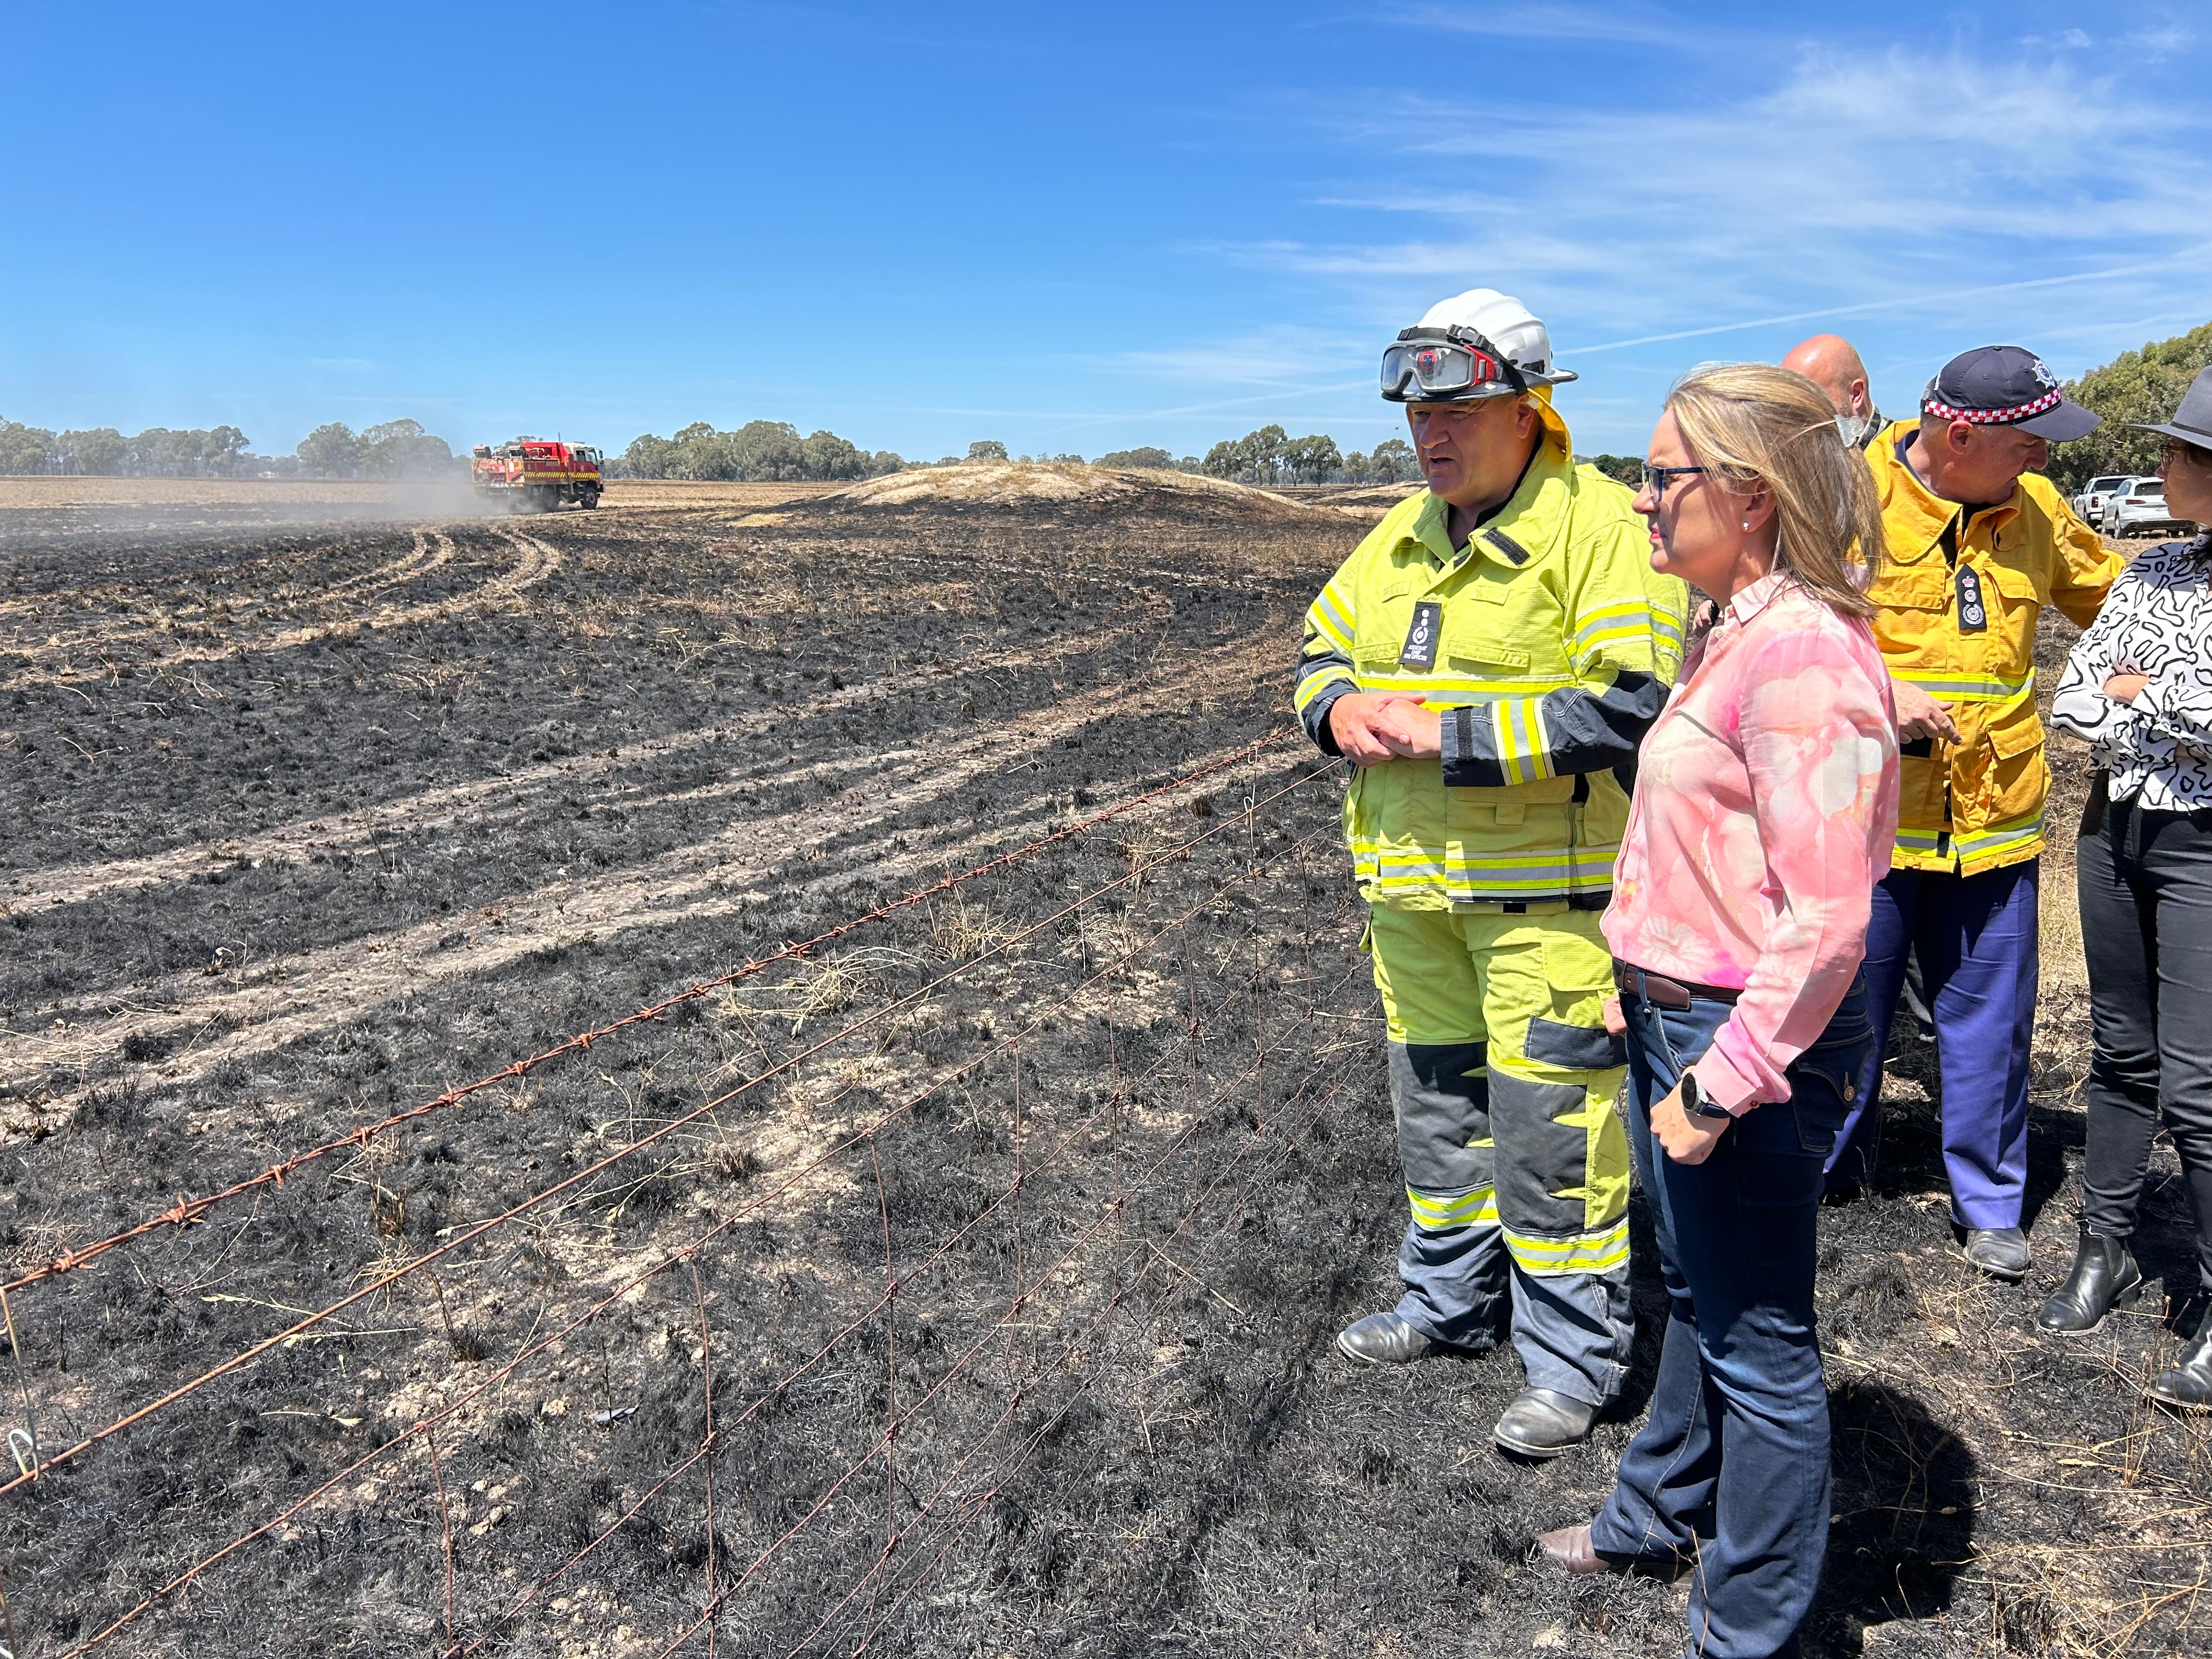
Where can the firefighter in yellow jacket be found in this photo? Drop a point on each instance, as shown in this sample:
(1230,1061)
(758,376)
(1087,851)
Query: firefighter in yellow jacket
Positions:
(1488,659)
(1978,543)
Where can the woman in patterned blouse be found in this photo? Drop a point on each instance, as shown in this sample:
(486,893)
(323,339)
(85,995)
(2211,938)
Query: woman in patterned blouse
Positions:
(1765,809)
(2138,686)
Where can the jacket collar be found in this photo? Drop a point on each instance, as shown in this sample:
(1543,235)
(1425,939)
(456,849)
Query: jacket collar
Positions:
(1913,514)
(1519,532)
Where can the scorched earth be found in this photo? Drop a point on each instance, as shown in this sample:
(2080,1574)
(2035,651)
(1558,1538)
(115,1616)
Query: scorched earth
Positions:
(947,1263)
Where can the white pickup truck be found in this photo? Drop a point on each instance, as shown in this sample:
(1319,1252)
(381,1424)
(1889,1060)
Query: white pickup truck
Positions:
(2090,502)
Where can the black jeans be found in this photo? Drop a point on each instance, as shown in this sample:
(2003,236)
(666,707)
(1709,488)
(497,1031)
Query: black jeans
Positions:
(2145,883)
(1732,1465)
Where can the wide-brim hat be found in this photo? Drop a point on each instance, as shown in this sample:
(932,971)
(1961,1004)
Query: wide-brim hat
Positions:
(2193,421)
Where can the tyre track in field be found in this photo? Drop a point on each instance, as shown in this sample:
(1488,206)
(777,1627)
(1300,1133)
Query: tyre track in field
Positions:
(430,550)
(489,801)
(317,992)
(537,560)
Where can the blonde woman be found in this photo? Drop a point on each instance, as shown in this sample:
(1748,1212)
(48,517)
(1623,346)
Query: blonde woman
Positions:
(1765,810)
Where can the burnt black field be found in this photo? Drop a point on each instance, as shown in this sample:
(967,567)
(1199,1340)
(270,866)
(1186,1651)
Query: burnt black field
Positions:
(1003,1234)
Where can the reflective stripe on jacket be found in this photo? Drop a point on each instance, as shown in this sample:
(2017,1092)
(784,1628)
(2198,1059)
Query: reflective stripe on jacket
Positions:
(1554,643)
(1977,803)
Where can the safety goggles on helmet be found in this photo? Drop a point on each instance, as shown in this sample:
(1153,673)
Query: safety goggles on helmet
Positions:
(1439,365)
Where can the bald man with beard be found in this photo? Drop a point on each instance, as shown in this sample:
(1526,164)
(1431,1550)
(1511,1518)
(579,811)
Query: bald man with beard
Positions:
(1831,363)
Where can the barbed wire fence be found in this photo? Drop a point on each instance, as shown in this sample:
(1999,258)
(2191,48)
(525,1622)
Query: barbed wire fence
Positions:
(887,1291)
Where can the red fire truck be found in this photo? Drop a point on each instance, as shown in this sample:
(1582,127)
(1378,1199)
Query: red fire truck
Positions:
(535,475)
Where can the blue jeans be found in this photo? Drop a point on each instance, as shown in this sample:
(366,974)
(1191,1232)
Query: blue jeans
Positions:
(1732,1465)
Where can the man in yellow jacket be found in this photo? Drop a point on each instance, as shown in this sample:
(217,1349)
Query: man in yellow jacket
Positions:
(1489,659)
(1978,544)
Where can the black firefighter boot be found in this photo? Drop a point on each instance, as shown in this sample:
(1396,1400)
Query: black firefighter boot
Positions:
(2105,1277)
(2188,1386)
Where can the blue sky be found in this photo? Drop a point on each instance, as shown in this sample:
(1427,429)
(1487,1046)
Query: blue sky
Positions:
(1069,228)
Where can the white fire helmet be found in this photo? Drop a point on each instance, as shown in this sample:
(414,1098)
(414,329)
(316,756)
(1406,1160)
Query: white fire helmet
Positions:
(1481,343)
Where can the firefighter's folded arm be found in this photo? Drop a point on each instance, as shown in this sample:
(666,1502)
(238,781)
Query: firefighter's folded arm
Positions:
(1594,726)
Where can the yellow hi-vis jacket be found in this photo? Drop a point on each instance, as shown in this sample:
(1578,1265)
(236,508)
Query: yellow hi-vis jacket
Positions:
(1550,642)
(1977,803)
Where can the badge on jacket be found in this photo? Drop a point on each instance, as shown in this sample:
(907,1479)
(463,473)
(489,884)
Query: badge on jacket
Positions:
(1972,618)
(1420,650)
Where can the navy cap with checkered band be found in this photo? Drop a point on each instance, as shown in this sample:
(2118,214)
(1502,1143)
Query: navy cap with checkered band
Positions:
(2007,385)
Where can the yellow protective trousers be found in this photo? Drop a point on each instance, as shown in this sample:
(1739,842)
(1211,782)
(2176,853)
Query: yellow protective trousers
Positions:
(1503,1080)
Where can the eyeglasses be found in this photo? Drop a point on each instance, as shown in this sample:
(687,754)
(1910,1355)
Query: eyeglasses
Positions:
(2180,449)
(1655,478)
(1443,361)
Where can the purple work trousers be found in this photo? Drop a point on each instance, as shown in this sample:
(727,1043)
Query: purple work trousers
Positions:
(1977,939)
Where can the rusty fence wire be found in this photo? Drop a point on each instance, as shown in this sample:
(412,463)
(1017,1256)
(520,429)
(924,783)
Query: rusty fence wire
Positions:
(879,1287)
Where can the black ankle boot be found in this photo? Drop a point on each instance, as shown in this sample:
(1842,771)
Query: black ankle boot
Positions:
(2188,1386)
(2105,1277)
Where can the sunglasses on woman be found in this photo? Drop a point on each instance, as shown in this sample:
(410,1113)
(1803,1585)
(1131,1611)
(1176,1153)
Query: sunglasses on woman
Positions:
(1656,479)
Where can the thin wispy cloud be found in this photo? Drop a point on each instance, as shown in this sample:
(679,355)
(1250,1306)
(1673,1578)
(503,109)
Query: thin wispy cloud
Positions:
(1282,356)
(1937,192)
(1852,175)
(2163,40)
(2191,256)
(1631,25)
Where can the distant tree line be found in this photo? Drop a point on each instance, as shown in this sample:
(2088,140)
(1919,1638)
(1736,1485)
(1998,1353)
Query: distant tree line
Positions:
(393,450)
(760,450)
(2135,386)
(1268,456)
(1621,469)
(771,451)
(991,449)
(1272,456)
(1149,456)
(155,452)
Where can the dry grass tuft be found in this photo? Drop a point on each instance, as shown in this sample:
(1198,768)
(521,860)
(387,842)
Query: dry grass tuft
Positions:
(827,987)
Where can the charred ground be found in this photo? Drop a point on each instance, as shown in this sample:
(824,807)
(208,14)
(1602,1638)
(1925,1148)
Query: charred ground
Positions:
(309,822)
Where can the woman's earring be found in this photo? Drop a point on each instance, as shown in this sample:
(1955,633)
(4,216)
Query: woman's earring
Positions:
(1747,524)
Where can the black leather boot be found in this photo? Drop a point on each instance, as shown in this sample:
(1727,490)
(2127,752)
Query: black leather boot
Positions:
(1543,1423)
(2188,1386)
(2105,1277)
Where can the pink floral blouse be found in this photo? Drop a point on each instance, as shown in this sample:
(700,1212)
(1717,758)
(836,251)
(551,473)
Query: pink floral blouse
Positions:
(1766,808)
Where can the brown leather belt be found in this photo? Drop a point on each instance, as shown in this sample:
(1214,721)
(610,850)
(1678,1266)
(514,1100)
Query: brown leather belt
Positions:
(1663,992)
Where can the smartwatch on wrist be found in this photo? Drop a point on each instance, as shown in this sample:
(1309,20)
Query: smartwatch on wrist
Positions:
(1695,1103)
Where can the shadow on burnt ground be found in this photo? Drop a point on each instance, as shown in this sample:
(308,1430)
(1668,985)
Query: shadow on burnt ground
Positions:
(1198,1472)
(1903,1533)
